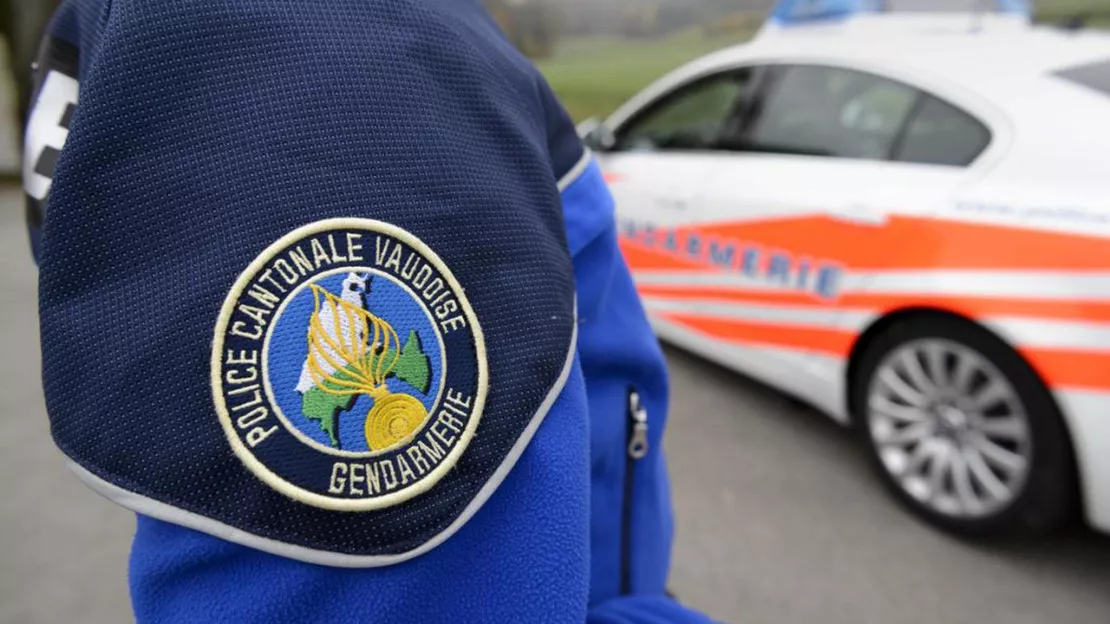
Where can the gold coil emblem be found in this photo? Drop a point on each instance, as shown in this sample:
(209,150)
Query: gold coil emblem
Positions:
(392,419)
(352,352)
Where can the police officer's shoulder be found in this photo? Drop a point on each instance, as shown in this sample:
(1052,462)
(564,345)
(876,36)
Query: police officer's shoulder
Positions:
(317,251)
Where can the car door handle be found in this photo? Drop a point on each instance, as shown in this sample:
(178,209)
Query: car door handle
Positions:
(853,212)
(672,203)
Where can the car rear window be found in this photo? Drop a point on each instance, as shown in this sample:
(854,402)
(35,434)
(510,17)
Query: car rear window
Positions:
(941,134)
(1092,75)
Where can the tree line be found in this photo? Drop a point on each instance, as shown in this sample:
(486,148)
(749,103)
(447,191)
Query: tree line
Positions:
(534,25)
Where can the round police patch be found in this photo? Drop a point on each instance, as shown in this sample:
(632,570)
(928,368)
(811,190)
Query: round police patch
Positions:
(348,368)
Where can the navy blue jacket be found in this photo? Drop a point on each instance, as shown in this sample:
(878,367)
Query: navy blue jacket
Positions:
(331,297)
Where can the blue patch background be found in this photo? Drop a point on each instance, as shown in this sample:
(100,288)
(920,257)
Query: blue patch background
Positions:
(289,348)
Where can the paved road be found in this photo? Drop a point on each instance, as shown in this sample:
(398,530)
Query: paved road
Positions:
(778,519)
(63,549)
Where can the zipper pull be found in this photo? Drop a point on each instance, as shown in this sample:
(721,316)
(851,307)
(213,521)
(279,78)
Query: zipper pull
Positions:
(638,442)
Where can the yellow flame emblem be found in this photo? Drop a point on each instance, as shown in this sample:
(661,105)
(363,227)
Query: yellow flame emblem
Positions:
(351,352)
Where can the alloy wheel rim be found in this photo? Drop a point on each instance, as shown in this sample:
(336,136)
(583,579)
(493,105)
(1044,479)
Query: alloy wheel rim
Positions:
(949,428)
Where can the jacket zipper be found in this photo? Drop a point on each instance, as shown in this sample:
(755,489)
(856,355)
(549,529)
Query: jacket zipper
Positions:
(637,448)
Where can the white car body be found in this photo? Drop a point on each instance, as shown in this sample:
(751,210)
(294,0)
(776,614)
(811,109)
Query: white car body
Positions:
(1018,240)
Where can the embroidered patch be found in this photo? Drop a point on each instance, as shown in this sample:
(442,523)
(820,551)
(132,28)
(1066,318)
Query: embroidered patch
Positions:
(348,368)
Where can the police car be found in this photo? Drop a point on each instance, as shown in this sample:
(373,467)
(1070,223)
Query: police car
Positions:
(903,219)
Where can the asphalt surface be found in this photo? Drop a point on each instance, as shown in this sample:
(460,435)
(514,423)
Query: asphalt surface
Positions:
(779,520)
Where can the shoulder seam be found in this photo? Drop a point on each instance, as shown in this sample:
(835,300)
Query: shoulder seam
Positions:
(576,171)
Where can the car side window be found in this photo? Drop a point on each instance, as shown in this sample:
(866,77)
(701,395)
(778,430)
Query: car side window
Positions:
(828,111)
(694,117)
(941,134)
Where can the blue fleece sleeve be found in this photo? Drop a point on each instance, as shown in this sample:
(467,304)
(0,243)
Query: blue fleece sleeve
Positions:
(631,524)
(522,558)
(209,130)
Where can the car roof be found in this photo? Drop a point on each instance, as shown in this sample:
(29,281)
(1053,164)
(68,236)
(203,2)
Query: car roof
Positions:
(980,61)
(1004,66)
(1003,74)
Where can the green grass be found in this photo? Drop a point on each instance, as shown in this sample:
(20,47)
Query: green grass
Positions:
(594,76)
(1055,11)
(1054,7)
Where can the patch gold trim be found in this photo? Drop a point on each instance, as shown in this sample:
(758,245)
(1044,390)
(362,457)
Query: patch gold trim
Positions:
(419,420)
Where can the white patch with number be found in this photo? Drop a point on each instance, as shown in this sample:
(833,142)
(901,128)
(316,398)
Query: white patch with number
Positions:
(47,131)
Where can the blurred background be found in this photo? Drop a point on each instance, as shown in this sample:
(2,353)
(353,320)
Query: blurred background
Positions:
(598,53)
(779,518)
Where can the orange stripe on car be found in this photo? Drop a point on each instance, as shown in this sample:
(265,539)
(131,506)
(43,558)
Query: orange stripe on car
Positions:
(1060,368)
(642,259)
(1070,369)
(901,243)
(904,242)
(830,341)
(972,307)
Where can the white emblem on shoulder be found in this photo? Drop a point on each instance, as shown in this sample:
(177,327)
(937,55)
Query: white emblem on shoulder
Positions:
(348,368)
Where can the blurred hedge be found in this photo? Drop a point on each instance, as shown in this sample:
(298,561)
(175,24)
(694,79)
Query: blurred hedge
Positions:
(532,25)
(21,25)
(741,23)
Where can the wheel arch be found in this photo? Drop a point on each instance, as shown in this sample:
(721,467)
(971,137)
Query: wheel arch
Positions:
(894,316)
(898,315)
(890,318)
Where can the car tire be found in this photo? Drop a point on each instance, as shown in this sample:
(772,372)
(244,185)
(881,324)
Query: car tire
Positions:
(1036,495)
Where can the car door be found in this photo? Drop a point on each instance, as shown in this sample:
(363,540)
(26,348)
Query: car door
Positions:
(662,156)
(820,161)
(658,164)
(831,156)
(833,143)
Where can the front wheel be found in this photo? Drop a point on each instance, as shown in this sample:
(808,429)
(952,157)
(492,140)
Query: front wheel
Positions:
(961,430)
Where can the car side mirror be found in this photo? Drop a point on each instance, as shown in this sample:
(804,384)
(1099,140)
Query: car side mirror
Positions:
(596,135)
